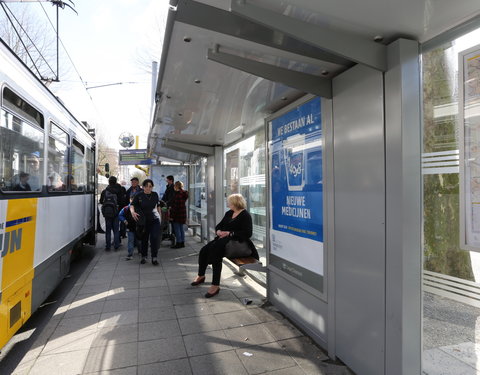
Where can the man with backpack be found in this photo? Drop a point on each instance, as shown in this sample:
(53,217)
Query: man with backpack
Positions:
(112,199)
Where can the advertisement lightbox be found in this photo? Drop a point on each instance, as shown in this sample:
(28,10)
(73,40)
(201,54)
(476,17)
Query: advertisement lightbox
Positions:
(296,193)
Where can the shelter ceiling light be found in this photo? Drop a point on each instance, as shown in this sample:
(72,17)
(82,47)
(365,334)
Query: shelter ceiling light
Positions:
(180,114)
(325,72)
(237,129)
(187,39)
(197,81)
(378,38)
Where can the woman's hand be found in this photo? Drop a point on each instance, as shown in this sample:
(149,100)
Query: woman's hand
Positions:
(134,214)
(222,234)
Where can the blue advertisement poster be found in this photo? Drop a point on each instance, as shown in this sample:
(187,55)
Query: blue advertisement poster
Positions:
(296,191)
(297,188)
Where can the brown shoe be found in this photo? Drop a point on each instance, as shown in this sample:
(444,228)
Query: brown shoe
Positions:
(198,282)
(210,295)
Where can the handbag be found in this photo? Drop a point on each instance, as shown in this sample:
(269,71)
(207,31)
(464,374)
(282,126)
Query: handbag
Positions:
(237,249)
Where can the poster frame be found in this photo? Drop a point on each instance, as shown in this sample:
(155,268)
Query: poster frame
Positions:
(464,244)
(326,118)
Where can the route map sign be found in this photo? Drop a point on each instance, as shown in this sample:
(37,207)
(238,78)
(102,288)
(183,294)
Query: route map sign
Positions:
(469,109)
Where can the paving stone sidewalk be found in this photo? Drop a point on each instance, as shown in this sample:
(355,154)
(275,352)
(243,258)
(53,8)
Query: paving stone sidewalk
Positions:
(125,318)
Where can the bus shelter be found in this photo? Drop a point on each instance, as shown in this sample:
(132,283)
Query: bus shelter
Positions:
(334,89)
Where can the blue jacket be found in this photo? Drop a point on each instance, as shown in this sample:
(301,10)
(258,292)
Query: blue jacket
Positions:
(126,215)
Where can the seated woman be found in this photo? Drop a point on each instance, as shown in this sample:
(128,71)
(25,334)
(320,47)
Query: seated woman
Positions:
(235,225)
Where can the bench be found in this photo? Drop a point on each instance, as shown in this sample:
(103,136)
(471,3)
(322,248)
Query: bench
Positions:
(193,225)
(247,263)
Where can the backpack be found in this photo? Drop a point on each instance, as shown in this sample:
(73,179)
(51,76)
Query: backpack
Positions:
(109,206)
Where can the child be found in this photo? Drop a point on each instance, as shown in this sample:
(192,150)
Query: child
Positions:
(125,216)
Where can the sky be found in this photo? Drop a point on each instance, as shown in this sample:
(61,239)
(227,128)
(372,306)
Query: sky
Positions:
(109,41)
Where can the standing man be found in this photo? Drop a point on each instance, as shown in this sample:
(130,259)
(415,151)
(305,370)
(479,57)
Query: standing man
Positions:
(134,188)
(169,191)
(34,171)
(167,197)
(178,214)
(111,199)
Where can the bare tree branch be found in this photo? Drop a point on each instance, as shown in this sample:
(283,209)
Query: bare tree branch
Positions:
(38,37)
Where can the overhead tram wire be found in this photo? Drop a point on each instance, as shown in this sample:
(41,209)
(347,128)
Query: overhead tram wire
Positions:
(84,84)
(111,84)
(5,7)
(63,45)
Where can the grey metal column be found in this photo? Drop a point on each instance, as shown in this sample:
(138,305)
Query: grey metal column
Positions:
(403,209)
(329,220)
(215,195)
(359,172)
(219,177)
(211,199)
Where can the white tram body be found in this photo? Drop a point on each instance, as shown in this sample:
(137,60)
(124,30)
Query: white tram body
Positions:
(47,185)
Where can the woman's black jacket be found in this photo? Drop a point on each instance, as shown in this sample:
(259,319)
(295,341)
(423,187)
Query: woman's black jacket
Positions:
(240,228)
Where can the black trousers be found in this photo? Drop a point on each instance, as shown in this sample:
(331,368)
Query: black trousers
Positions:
(123,229)
(212,253)
(152,233)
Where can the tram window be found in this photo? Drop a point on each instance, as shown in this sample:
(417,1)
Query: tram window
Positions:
(21,154)
(78,179)
(58,133)
(90,170)
(17,105)
(57,171)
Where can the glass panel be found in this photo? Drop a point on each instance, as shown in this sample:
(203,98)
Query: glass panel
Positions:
(22,108)
(451,275)
(160,173)
(58,133)
(231,172)
(90,171)
(21,154)
(197,193)
(245,174)
(78,179)
(57,171)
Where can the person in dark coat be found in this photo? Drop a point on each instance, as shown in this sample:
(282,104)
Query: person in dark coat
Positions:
(167,197)
(23,184)
(123,228)
(178,214)
(112,224)
(236,225)
(133,189)
(169,193)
